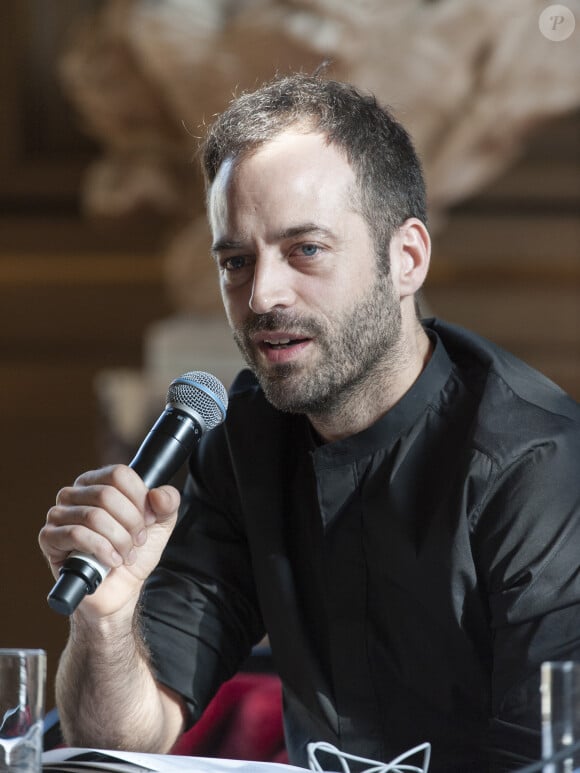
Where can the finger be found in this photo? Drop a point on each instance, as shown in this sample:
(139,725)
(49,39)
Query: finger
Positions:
(163,503)
(120,477)
(98,500)
(57,542)
(109,523)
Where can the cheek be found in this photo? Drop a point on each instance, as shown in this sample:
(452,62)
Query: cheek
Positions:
(236,305)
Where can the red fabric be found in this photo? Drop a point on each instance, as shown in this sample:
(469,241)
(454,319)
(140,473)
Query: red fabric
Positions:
(243,722)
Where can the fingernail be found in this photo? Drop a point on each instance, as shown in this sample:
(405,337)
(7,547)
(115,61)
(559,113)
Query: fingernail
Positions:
(141,538)
(150,519)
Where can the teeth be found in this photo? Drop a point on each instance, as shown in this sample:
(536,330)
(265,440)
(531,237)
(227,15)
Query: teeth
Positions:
(281,342)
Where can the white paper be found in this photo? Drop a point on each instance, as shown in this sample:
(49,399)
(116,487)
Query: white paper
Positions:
(160,763)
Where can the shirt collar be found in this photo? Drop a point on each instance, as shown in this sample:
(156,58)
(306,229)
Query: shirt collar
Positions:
(400,418)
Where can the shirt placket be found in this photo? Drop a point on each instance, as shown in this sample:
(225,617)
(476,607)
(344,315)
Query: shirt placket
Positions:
(342,508)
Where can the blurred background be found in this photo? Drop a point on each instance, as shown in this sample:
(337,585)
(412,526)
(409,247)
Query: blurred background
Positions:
(107,289)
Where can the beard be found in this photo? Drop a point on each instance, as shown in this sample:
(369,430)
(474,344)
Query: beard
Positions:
(354,350)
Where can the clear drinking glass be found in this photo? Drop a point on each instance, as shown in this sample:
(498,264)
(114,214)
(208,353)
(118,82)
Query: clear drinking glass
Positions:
(22,682)
(560,715)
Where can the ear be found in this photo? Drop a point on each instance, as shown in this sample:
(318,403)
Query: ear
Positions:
(410,255)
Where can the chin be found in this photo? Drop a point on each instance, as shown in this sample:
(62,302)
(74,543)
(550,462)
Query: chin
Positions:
(281,392)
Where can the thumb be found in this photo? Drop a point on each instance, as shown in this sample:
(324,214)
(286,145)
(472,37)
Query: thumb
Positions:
(163,502)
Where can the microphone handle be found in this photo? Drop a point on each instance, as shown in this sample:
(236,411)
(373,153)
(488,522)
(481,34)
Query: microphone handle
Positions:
(166,447)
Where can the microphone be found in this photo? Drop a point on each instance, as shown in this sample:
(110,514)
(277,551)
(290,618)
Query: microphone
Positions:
(196,403)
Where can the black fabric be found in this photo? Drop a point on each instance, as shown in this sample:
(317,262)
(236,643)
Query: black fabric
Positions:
(412,578)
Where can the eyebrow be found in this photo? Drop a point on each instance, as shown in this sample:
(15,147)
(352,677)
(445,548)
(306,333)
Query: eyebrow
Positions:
(296,230)
(226,244)
(306,228)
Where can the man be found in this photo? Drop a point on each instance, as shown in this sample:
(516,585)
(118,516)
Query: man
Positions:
(395,503)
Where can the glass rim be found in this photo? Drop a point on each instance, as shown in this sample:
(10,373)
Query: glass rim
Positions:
(561,664)
(29,652)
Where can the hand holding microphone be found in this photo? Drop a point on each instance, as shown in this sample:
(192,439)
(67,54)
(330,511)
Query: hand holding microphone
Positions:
(115,504)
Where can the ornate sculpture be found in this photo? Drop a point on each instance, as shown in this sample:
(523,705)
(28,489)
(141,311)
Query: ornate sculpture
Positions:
(470,78)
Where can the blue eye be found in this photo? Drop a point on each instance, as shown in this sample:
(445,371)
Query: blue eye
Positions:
(309,249)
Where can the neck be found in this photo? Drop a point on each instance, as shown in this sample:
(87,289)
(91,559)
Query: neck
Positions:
(380,391)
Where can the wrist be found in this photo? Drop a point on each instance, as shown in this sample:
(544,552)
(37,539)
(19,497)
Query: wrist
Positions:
(91,627)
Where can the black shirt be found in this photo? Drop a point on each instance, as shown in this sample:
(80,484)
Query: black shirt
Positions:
(412,578)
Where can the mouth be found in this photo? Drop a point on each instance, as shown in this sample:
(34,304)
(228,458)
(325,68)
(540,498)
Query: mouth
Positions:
(281,347)
(282,343)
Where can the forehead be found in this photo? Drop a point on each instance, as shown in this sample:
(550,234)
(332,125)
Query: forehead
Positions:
(296,148)
(295,168)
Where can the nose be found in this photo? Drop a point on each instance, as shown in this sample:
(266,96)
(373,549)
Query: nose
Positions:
(272,285)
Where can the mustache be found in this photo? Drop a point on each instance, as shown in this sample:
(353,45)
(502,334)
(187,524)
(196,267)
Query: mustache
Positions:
(280,320)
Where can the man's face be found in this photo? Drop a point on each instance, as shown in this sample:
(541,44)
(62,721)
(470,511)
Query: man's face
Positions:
(309,309)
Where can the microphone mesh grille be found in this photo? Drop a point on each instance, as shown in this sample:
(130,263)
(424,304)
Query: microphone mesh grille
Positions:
(202,392)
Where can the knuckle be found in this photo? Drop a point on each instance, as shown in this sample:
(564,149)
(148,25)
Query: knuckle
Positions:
(81,480)
(43,536)
(108,498)
(55,516)
(90,518)
(118,476)
(85,539)
(109,502)
(63,495)
(80,538)
(49,543)
(92,477)
(77,534)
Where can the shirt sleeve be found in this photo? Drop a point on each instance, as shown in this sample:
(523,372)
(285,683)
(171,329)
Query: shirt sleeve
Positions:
(199,608)
(527,544)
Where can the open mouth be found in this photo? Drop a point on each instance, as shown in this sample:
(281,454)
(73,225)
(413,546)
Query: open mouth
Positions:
(283,343)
